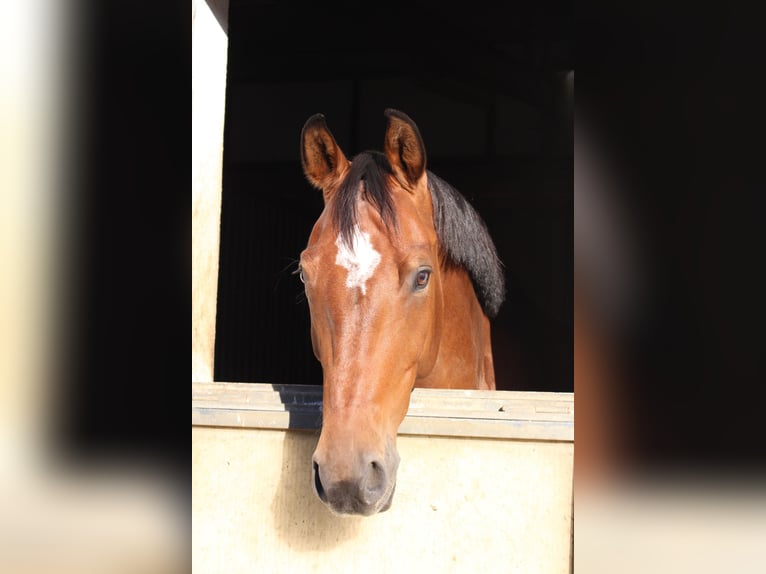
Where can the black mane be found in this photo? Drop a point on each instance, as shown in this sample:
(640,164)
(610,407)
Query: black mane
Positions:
(465,239)
(463,235)
(372,168)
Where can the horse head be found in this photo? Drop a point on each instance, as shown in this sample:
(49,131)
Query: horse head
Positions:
(376,272)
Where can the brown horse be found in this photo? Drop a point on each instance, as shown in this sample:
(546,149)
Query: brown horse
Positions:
(401,277)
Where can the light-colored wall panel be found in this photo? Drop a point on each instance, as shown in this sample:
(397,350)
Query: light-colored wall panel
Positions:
(484,484)
(461,505)
(209,53)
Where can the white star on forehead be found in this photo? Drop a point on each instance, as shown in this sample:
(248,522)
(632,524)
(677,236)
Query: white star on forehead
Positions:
(360,260)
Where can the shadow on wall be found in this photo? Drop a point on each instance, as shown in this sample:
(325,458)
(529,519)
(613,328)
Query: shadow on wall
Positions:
(300,519)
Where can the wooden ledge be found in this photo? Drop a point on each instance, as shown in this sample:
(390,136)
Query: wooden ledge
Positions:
(444,412)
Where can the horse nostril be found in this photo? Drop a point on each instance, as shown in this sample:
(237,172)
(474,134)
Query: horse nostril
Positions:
(374,482)
(318,484)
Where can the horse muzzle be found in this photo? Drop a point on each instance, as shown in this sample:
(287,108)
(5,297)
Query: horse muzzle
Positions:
(355,483)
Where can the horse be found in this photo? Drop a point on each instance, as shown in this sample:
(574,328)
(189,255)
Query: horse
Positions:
(401,278)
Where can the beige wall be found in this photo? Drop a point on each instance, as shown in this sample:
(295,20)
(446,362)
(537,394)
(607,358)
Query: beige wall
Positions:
(209,52)
(461,505)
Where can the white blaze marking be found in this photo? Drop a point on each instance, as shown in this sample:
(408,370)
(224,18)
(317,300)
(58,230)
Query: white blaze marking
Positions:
(360,261)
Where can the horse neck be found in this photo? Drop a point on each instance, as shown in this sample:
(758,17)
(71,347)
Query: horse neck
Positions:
(464,360)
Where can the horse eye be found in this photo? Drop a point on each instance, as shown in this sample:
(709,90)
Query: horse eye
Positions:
(421,279)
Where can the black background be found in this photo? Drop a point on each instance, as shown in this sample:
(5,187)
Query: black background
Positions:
(490,98)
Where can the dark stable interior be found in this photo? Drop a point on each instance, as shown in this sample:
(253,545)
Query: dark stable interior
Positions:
(492,99)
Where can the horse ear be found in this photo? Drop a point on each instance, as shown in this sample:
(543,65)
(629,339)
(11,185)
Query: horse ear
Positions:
(322,159)
(404,147)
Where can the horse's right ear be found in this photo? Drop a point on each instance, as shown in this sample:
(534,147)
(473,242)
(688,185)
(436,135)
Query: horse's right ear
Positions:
(323,161)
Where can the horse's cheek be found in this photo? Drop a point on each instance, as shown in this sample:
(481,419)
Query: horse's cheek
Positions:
(429,344)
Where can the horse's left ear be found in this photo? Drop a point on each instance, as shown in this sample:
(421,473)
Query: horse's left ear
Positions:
(404,147)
